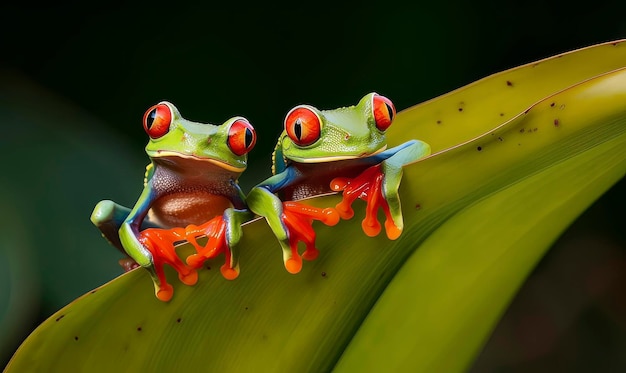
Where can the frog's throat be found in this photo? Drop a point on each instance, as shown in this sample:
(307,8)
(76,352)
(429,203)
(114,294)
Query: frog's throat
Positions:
(333,158)
(170,154)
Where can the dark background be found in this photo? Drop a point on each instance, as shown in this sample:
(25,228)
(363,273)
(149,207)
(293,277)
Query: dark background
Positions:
(75,82)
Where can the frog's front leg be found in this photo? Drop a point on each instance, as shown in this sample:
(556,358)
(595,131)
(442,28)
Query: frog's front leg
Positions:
(223,234)
(378,186)
(152,251)
(291,223)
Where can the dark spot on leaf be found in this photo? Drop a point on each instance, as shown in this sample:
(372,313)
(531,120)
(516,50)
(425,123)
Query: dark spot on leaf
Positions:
(509,83)
(76,338)
(418,206)
(535,129)
(323,274)
(438,122)
(60,317)
(179,320)
(501,114)
(526,111)
(93,291)
(500,138)
(246,308)
(479,148)
(552,104)
(522,130)
(460,109)
(556,123)
(139,328)
(208,267)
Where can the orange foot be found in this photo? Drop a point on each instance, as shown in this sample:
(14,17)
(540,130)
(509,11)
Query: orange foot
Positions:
(215,231)
(298,219)
(368,187)
(160,242)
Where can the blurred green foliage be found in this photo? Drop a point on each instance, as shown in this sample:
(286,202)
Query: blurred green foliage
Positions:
(76,81)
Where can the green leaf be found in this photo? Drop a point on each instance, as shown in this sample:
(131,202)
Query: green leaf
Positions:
(517,156)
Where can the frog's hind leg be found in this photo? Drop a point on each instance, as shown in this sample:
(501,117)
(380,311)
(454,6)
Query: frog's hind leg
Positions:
(108,217)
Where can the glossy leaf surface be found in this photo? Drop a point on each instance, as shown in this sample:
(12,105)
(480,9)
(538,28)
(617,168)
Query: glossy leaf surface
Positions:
(517,156)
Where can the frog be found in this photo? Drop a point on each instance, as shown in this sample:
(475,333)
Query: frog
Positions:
(190,189)
(322,152)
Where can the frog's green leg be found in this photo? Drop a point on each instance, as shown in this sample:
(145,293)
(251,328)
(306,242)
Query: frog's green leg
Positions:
(263,202)
(234,220)
(109,217)
(378,185)
(223,234)
(129,233)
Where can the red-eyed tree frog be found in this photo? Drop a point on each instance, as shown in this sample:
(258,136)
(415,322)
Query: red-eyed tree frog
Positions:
(342,150)
(191,180)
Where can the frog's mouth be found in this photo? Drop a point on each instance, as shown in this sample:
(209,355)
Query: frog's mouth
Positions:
(168,156)
(334,158)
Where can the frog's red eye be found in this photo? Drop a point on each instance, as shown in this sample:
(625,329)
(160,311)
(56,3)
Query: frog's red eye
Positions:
(303,125)
(384,112)
(157,120)
(241,137)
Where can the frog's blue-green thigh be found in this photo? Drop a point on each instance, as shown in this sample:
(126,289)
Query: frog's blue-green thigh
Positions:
(108,217)
(392,162)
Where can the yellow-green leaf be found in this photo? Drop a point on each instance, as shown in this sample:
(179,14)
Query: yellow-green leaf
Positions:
(517,156)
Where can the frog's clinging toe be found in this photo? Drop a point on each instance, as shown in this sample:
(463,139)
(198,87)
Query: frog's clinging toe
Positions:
(371,227)
(164,293)
(190,278)
(229,273)
(393,232)
(293,265)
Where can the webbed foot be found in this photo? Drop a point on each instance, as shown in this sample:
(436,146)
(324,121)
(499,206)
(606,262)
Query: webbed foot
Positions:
(161,244)
(298,219)
(215,231)
(368,186)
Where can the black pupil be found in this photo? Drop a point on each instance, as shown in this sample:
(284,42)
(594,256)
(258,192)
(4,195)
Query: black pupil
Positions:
(297,129)
(249,137)
(390,110)
(151,118)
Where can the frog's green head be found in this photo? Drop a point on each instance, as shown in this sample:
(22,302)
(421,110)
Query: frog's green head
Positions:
(313,135)
(176,139)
